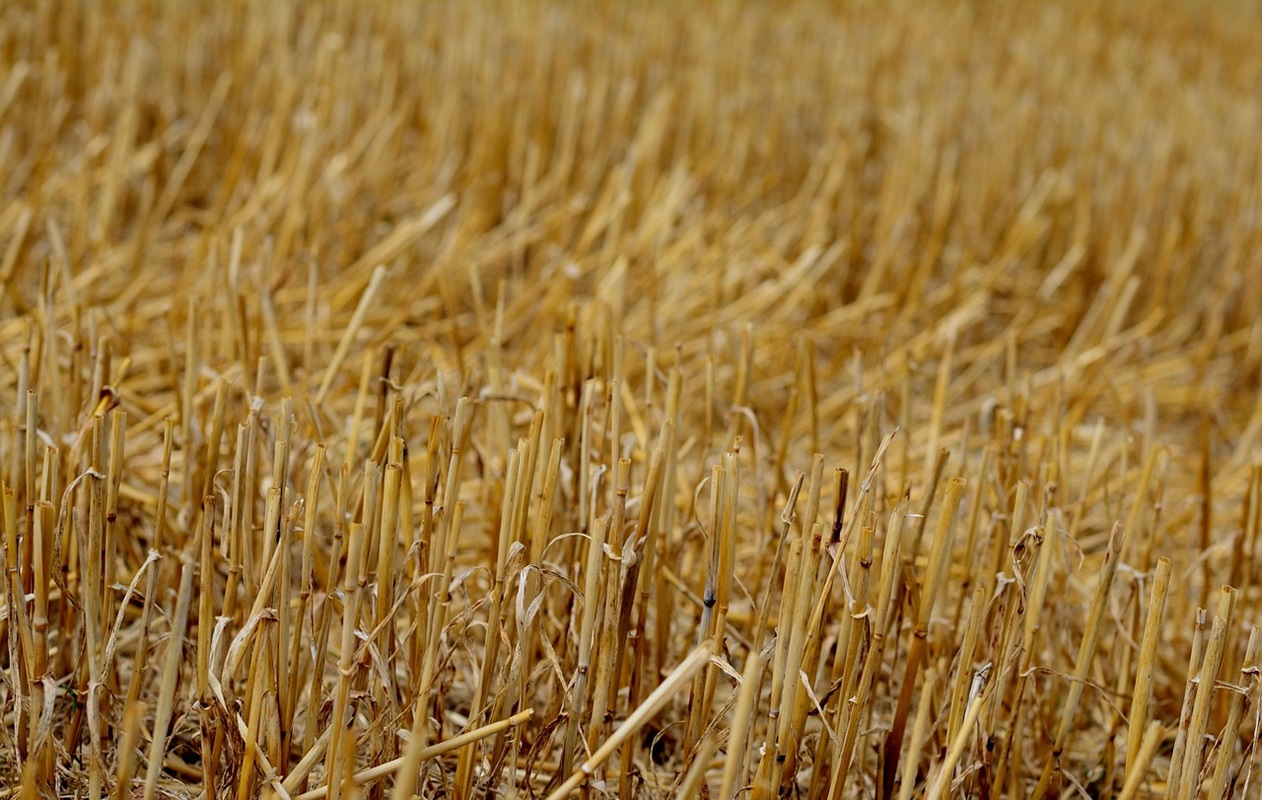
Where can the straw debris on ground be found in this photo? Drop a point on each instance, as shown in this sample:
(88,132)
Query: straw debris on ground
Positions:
(791,399)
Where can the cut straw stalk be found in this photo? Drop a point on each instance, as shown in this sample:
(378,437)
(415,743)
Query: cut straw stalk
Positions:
(341,721)
(1177,758)
(654,703)
(857,705)
(586,641)
(127,754)
(1136,773)
(1205,681)
(938,562)
(694,781)
(1231,731)
(919,732)
(742,721)
(166,694)
(367,776)
(978,696)
(366,301)
(1086,652)
(1142,695)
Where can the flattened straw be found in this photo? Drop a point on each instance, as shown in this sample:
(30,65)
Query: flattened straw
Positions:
(348,336)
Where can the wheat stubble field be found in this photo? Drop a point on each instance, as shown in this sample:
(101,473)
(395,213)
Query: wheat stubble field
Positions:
(717,399)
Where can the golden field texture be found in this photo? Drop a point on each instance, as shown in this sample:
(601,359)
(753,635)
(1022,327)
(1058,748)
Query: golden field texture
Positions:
(805,399)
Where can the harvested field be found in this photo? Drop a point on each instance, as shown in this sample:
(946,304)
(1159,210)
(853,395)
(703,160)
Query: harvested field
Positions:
(791,399)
